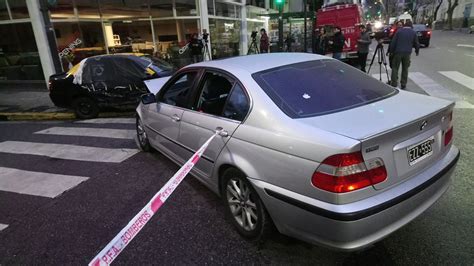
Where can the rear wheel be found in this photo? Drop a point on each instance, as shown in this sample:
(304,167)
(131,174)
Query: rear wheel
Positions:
(427,43)
(142,137)
(85,108)
(244,207)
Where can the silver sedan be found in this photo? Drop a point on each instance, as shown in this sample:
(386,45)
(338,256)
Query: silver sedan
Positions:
(313,146)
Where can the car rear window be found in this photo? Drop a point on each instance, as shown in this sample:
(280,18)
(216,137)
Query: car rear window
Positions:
(419,27)
(320,87)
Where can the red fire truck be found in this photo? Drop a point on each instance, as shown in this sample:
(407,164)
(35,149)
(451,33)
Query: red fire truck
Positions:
(346,16)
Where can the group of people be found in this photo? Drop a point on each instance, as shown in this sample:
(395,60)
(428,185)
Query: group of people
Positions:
(322,43)
(399,51)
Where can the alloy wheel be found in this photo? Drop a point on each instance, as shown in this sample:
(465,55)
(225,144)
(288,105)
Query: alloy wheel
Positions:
(242,204)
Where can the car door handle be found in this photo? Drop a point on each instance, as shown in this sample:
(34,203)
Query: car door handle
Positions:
(221,132)
(176,118)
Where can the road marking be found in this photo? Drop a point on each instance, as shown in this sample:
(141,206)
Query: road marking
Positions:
(68,152)
(451,51)
(37,183)
(465,45)
(108,121)
(434,89)
(471,55)
(3,226)
(459,78)
(384,77)
(89,132)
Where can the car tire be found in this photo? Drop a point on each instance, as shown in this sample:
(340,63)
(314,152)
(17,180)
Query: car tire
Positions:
(142,138)
(244,207)
(85,108)
(427,43)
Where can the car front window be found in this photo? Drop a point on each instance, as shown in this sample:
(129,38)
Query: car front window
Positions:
(177,93)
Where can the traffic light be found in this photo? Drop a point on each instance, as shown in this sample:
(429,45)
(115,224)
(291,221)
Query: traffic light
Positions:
(279,2)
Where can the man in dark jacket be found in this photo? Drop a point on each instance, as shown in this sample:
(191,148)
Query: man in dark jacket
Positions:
(400,48)
(363,44)
(337,43)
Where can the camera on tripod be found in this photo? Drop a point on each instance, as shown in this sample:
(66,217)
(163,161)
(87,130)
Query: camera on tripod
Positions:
(205,37)
(254,34)
(379,35)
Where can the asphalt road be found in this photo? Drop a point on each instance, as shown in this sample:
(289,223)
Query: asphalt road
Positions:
(191,227)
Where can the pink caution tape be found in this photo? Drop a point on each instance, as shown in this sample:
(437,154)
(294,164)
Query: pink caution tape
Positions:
(123,238)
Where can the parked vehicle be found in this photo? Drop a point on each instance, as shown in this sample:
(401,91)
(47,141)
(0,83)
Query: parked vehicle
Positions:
(105,81)
(337,158)
(423,33)
(346,16)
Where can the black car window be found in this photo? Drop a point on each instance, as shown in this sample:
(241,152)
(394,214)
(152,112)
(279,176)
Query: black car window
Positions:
(419,27)
(320,87)
(238,104)
(177,92)
(214,93)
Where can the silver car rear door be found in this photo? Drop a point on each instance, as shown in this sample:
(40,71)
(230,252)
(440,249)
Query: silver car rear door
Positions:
(221,104)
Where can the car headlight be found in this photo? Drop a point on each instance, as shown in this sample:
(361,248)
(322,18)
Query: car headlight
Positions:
(378,25)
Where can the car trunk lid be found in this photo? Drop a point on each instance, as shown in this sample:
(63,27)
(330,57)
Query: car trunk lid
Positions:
(389,128)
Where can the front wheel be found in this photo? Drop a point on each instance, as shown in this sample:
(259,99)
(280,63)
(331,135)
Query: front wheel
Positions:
(244,206)
(85,108)
(142,137)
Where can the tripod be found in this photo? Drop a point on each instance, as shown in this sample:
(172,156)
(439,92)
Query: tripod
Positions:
(206,55)
(381,59)
(253,48)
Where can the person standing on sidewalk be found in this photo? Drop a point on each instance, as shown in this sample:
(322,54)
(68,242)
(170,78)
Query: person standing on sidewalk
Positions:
(363,44)
(400,48)
(337,43)
(264,41)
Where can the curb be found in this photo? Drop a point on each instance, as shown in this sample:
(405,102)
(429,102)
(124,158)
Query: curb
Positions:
(31,116)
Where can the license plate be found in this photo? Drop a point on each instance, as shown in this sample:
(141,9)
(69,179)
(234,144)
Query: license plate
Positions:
(420,151)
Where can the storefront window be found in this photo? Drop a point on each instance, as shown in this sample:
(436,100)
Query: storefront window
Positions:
(119,9)
(227,10)
(19,58)
(225,37)
(62,10)
(3,11)
(186,8)
(173,35)
(161,8)
(18,9)
(134,36)
(210,8)
(87,9)
(78,40)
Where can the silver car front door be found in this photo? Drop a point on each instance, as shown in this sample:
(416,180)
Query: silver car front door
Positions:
(164,117)
(222,105)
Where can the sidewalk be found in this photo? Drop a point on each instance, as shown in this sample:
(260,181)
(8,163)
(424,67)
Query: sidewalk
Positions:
(29,104)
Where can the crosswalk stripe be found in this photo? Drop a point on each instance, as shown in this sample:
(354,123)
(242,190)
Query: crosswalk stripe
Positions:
(435,89)
(3,226)
(89,132)
(459,78)
(108,121)
(384,77)
(68,152)
(37,183)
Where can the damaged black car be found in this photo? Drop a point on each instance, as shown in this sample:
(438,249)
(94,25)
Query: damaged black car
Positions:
(105,81)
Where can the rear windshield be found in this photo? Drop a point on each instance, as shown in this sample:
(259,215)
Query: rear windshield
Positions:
(320,87)
(419,27)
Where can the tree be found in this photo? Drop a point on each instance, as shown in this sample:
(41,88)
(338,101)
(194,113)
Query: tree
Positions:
(391,8)
(438,5)
(451,6)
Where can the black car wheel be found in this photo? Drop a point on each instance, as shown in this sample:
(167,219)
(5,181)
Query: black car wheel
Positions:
(244,206)
(142,137)
(427,43)
(85,108)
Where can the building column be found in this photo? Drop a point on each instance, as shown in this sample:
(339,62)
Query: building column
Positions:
(243,29)
(41,38)
(204,21)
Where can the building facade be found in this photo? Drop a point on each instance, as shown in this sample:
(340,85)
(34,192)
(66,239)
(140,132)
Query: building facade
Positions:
(43,37)
(463,15)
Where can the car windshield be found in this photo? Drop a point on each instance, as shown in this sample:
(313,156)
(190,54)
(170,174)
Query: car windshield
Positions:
(419,27)
(158,65)
(320,87)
